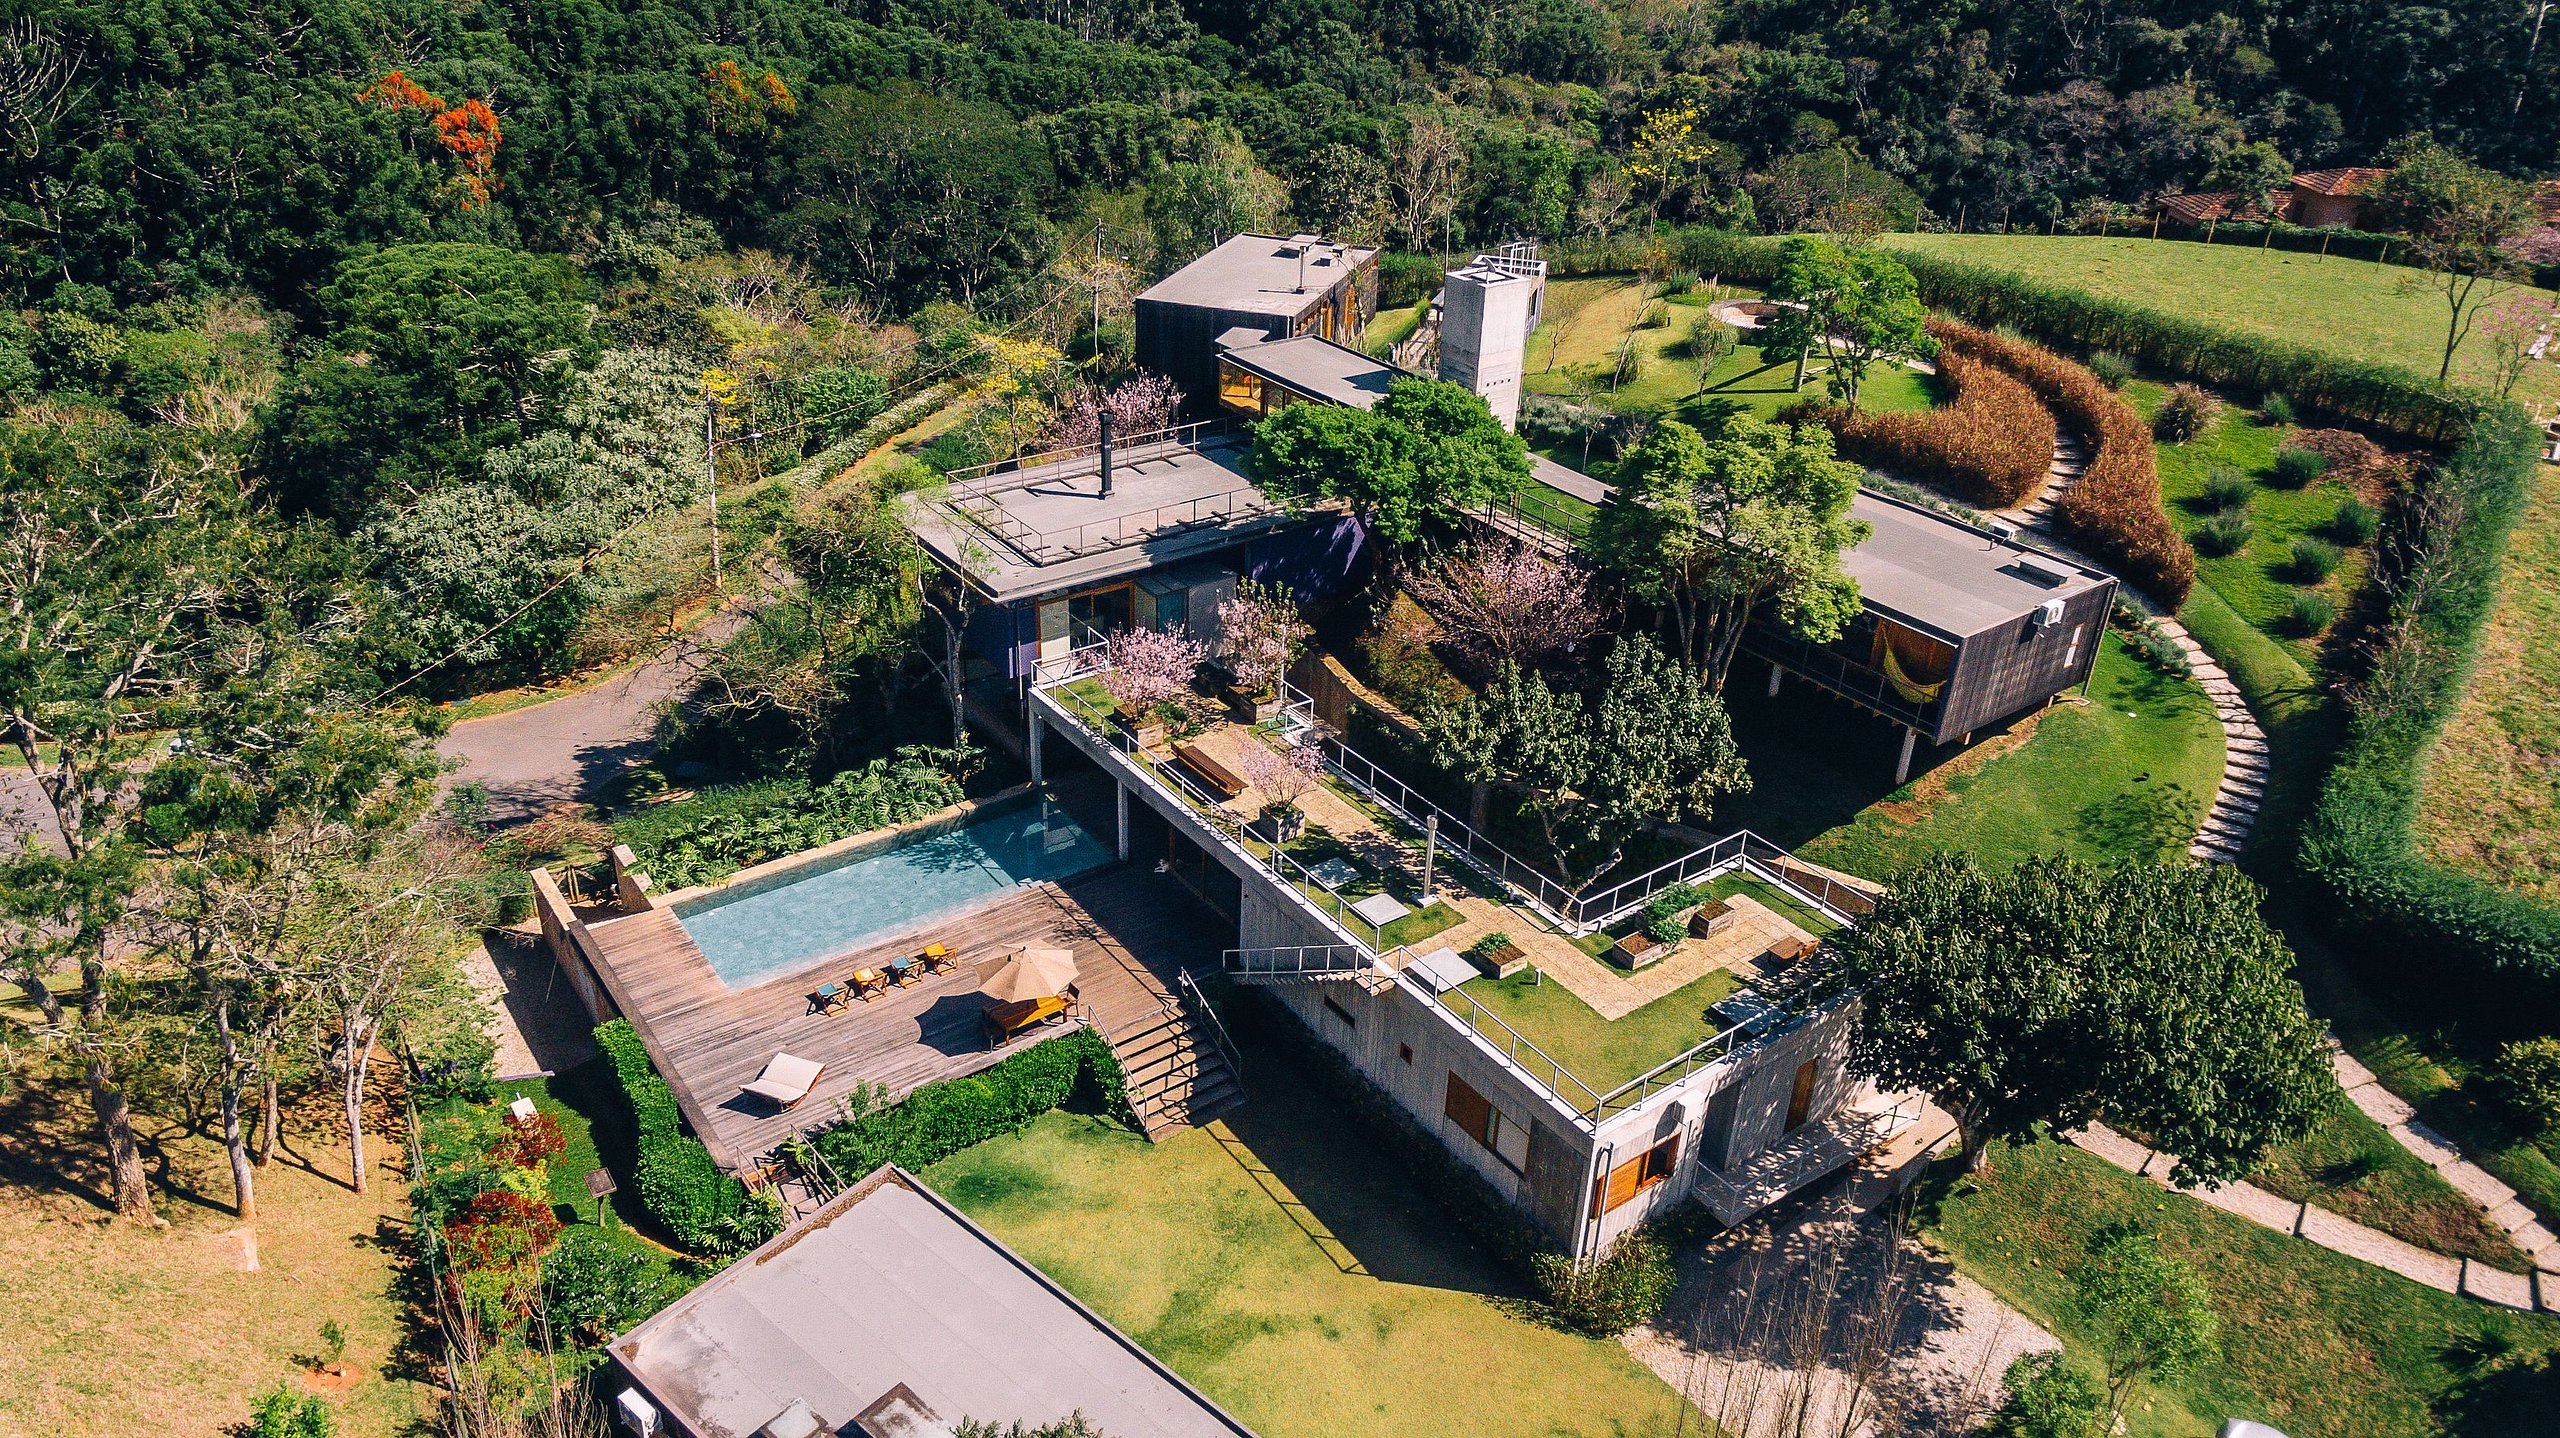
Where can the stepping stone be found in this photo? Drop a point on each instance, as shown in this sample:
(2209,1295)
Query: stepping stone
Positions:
(2515,1216)
(2423,1141)
(2381,1250)
(2254,1204)
(2489,1285)
(2379,1104)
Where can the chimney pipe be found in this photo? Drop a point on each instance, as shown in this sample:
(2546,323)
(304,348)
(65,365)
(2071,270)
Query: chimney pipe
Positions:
(1106,454)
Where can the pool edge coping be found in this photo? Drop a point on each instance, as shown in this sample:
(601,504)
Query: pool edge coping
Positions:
(959,812)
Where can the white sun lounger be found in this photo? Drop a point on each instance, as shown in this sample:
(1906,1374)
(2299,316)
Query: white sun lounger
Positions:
(786,1080)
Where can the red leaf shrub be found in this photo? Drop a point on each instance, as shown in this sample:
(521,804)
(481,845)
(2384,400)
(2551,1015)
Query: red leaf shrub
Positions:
(1991,446)
(2115,507)
(501,1229)
(528,1143)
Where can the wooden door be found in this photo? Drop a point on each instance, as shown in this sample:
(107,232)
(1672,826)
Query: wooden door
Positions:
(1801,1103)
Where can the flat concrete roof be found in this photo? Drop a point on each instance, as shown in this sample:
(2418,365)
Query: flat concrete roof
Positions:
(1314,365)
(1024,533)
(1258,274)
(889,1285)
(1944,574)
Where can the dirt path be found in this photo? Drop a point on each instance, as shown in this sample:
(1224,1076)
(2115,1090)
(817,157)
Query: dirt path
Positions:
(570,749)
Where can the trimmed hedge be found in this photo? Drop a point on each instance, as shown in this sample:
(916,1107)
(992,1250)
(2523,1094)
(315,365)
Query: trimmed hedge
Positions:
(940,1119)
(680,1185)
(2380,394)
(2115,506)
(2359,841)
(1991,445)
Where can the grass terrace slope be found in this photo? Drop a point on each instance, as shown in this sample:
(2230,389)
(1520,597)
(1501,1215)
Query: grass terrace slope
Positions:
(2491,804)
(1294,1274)
(2353,307)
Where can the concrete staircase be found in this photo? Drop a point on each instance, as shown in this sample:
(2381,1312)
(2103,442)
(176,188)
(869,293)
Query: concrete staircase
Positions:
(1178,1074)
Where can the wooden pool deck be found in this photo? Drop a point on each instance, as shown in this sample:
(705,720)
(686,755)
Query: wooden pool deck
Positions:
(1131,931)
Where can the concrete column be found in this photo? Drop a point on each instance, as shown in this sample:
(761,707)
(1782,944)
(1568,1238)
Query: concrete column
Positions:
(1120,793)
(1034,728)
(1902,767)
(1775,674)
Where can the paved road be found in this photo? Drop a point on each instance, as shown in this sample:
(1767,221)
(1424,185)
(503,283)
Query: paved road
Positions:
(570,749)
(23,809)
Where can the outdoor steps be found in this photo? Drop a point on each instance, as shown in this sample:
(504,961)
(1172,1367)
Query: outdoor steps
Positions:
(1176,1077)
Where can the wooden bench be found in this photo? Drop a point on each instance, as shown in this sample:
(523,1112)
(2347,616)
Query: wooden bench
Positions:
(1216,775)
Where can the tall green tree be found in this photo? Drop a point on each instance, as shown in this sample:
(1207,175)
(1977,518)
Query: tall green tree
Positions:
(120,559)
(2056,993)
(436,354)
(1655,746)
(1713,529)
(1860,307)
(1428,451)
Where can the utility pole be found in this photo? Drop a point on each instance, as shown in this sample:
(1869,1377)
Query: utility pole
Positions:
(1097,289)
(711,487)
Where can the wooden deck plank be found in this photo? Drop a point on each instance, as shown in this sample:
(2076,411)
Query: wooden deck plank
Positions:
(1131,931)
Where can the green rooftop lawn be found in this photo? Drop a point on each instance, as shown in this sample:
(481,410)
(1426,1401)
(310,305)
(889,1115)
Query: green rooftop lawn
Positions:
(2317,1344)
(1294,1274)
(2125,776)
(1587,319)
(2354,308)
(1605,1053)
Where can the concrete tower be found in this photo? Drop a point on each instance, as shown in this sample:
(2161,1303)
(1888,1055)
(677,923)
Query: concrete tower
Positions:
(1487,310)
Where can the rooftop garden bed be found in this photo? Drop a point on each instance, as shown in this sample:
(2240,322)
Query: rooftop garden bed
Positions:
(1605,1053)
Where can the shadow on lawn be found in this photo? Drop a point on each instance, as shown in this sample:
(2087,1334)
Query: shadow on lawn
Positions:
(1354,1203)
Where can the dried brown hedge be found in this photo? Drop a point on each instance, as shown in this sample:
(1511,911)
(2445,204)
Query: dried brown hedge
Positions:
(2115,507)
(1990,446)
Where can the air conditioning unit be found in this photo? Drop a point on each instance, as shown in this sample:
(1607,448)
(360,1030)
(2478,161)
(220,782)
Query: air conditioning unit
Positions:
(2047,615)
(638,1413)
(2000,529)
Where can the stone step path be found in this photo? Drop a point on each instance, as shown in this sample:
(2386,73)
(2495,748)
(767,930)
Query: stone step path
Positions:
(2313,1224)
(2223,835)
(2505,1208)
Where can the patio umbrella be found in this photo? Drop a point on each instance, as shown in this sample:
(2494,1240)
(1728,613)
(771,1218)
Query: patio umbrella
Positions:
(1028,974)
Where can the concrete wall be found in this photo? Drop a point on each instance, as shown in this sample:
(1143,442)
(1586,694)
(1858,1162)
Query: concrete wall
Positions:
(572,947)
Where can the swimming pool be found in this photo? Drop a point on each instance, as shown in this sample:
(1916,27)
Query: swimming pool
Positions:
(771,926)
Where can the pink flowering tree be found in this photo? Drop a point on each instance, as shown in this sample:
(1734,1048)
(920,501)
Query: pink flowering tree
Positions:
(1140,405)
(1151,668)
(1259,627)
(2511,324)
(1281,776)
(1507,603)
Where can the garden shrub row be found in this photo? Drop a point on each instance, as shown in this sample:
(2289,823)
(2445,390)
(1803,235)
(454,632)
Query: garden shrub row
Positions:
(681,846)
(679,1184)
(1991,444)
(2360,842)
(940,1119)
(2114,507)
(2383,395)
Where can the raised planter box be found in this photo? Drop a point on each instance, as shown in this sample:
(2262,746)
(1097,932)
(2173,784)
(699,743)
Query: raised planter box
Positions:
(1638,950)
(1499,961)
(1147,728)
(1709,918)
(1253,708)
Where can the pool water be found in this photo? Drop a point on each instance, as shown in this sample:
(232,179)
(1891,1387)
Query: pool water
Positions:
(765,929)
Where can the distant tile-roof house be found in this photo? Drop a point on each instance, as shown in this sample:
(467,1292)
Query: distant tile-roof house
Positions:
(2316,199)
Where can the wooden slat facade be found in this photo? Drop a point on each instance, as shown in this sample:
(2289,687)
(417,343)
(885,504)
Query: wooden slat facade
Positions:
(1131,931)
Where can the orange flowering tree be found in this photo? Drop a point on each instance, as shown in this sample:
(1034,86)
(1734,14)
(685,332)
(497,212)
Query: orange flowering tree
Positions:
(742,105)
(468,131)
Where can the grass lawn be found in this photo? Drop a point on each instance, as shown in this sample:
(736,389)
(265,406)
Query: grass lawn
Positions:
(108,1326)
(1294,1274)
(2353,307)
(1587,319)
(2125,776)
(2255,579)
(1605,1053)
(2317,1344)
(2491,804)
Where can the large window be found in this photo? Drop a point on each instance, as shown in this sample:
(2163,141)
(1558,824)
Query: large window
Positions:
(1633,1177)
(1487,1125)
(1239,389)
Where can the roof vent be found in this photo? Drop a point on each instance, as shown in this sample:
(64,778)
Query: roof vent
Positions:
(796,1421)
(2036,573)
